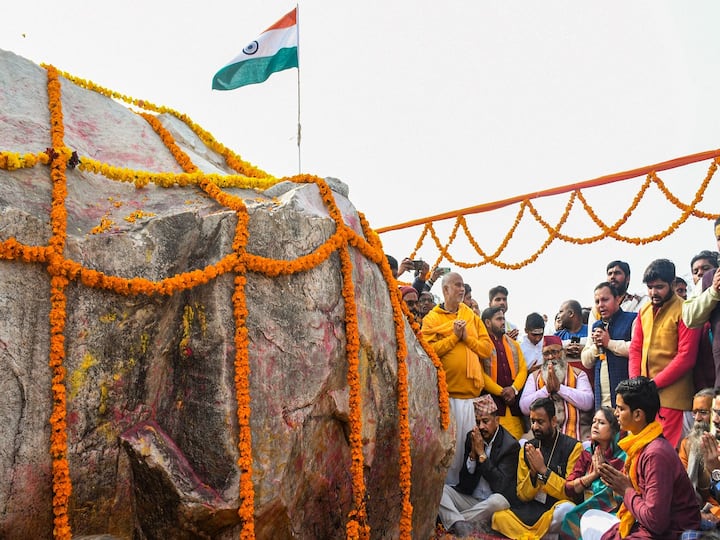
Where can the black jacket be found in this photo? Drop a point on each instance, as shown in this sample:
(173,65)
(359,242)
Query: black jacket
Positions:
(499,469)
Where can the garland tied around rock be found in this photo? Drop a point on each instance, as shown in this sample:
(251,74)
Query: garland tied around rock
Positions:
(239,262)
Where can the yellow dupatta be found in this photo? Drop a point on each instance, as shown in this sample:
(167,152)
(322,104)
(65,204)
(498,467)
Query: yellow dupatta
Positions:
(633,446)
(473,369)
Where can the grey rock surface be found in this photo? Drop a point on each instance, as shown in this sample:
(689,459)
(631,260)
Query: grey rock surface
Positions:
(152,429)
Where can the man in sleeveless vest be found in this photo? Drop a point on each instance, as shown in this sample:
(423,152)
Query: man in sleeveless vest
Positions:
(664,349)
(567,386)
(543,465)
(505,372)
(609,345)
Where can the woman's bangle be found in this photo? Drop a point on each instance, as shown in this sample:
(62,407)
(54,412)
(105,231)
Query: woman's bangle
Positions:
(582,482)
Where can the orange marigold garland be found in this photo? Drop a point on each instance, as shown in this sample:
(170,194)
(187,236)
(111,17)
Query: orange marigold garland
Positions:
(62,485)
(246,510)
(181,157)
(356,527)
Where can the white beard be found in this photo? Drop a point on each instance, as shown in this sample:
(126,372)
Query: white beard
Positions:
(560,370)
(695,453)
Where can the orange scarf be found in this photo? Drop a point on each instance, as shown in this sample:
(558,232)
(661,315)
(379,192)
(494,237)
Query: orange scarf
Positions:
(633,446)
(571,414)
(473,369)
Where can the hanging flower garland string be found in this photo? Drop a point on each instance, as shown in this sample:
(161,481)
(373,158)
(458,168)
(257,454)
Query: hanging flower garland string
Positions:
(62,485)
(246,490)
(246,510)
(239,262)
(674,200)
(356,526)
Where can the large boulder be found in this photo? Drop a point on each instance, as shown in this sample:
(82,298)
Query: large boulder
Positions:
(152,430)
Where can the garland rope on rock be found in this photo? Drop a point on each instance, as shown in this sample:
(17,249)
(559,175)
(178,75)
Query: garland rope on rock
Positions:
(238,262)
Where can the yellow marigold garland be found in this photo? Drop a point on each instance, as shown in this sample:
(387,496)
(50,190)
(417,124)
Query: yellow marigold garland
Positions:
(239,261)
(231,159)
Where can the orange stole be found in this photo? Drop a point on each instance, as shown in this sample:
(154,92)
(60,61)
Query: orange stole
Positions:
(511,351)
(572,426)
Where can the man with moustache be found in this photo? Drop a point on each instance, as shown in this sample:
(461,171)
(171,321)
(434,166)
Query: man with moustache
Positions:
(543,465)
(488,476)
(658,499)
(460,339)
(618,273)
(705,307)
(664,349)
(505,372)
(568,387)
(426,302)
(692,456)
(410,297)
(608,347)
(498,297)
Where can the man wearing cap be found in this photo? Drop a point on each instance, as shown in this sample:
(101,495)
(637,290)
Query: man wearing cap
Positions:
(568,387)
(488,476)
(410,297)
(460,339)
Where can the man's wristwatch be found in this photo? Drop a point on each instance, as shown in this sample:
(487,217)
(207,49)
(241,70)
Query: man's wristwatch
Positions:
(543,477)
(715,475)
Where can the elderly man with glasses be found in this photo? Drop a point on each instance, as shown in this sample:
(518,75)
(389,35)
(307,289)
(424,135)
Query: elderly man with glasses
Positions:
(567,386)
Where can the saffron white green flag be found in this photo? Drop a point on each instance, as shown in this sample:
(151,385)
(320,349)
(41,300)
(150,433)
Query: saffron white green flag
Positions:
(274,50)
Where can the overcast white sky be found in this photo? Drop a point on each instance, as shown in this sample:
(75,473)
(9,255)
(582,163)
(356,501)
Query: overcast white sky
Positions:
(424,107)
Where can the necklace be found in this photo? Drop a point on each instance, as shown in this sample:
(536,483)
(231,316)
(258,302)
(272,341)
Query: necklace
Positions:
(557,435)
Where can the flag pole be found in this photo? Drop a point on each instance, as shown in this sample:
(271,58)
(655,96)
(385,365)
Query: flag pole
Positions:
(299,130)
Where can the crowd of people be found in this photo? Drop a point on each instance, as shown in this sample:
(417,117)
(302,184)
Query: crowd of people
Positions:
(608,427)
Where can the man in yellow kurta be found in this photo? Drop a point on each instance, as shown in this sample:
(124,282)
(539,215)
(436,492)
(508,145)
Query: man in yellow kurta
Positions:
(543,465)
(459,338)
(505,372)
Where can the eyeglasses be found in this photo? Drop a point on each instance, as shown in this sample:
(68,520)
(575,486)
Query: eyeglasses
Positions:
(551,353)
(702,412)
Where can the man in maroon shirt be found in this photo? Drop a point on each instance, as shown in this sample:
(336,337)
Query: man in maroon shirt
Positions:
(658,498)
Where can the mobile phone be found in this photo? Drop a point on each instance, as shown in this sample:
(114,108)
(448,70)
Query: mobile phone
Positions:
(443,270)
(574,339)
(418,265)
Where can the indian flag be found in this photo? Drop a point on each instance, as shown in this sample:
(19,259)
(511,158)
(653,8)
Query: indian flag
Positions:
(274,50)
